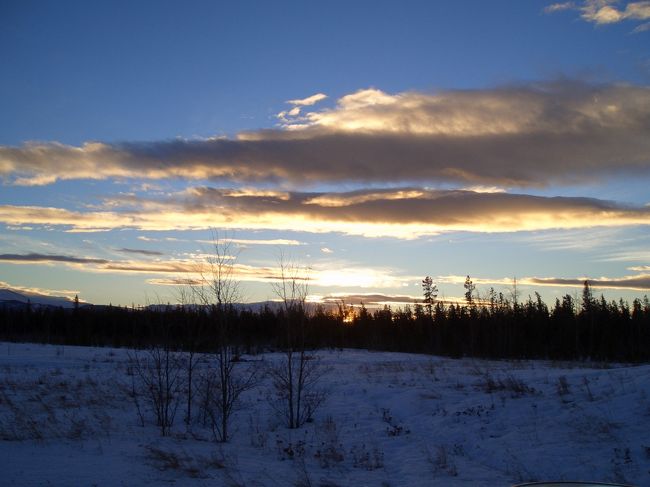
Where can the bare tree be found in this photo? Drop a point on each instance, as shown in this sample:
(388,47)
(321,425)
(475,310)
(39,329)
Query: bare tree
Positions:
(159,379)
(218,290)
(190,355)
(297,376)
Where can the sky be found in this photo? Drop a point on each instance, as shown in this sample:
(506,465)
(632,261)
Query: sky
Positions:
(369,143)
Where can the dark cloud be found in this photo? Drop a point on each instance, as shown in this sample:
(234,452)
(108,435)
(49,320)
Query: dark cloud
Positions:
(563,132)
(403,212)
(370,299)
(140,252)
(40,258)
(640,282)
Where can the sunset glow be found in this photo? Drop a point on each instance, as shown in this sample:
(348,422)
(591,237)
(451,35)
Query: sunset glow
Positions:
(397,147)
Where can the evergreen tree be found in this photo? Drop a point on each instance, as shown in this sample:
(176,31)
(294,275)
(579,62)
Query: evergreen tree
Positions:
(430,293)
(469,291)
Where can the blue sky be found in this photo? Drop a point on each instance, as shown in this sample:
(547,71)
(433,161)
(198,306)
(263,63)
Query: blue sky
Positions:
(496,139)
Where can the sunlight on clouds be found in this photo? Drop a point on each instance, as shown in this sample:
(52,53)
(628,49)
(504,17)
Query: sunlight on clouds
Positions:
(244,192)
(525,135)
(310,100)
(174,271)
(39,291)
(603,12)
(484,189)
(348,199)
(405,214)
(357,277)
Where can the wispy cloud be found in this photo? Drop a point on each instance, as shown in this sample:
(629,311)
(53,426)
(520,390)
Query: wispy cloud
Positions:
(183,271)
(603,12)
(576,240)
(38,291)
(372,213)
(527,135)
(559,7)
(639,282)
(310,100)
(635,282)
(251,241)
(140,251)
(369,299)
(640,268)
(48,258)
(287,117)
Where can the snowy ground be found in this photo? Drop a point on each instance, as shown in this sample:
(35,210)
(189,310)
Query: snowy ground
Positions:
(390,419)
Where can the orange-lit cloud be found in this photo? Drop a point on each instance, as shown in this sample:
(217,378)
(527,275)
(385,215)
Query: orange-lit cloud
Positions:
(526,135)
(192,270)
(371,213)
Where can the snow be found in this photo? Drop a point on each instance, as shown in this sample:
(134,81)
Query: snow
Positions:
(390,419)
(8,295)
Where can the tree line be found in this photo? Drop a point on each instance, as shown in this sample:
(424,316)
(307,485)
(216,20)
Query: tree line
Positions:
(494,326)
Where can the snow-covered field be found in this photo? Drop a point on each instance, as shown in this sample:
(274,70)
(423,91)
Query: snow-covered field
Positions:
(390,419)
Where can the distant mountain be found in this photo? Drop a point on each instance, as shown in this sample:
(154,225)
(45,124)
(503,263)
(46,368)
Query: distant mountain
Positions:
(12,298)
(254,307)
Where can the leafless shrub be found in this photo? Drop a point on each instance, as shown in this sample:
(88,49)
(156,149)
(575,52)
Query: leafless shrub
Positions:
(622,463)
(296,383)
(296,377)
(222,383)
(589,427)
(585,383)
(393,428)
(367,458)
(442,462)
(19,423)
(220,389)
(179,461)
(562,386)
(330,451)
(509,383)
(303,479)
(158,380)
(290,450)
(258,435)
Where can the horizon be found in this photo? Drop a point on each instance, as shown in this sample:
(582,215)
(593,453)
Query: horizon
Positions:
(373,144)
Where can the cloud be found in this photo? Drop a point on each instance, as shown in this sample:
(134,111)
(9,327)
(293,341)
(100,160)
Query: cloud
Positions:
(371,213)
(640,282)
(602,12)
(577,240)
(140,251)
(35,291)
(641,28)
(48,258)
(369,299)
(524,135)
(249,241)
(559,7)
(191,270)
(310,100)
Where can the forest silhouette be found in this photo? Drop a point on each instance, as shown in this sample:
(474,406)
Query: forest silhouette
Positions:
(495,326)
